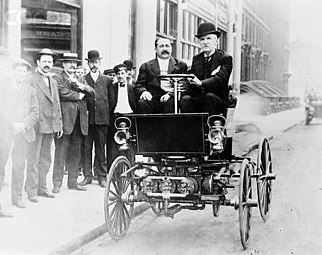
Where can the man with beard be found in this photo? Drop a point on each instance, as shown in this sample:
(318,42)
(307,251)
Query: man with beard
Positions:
(208,91)
(156,96)
(99,119)
(72,90)
(48,125)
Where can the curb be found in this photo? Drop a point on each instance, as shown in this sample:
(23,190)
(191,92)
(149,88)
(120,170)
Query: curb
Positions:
(84,239)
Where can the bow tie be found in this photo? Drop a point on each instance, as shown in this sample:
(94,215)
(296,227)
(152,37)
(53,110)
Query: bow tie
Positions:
(122,85)
(207,59)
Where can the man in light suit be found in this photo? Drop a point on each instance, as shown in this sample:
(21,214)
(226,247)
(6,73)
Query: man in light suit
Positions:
(208,91)
(49,124)
(122,100)
(99,119)
(19,113)
(156,96)
(72,90)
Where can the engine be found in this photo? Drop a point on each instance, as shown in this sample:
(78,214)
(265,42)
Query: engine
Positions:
(169,186)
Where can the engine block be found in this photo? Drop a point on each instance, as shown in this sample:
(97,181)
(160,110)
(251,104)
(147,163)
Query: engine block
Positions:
(169,186)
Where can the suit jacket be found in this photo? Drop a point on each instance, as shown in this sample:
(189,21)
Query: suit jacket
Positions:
(147,78)
(98,105)
(71,105)
(50,117)
(212,81)
(114,95)
(19,106)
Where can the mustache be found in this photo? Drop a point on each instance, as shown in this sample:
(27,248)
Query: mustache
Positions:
(47,67)
(165,51)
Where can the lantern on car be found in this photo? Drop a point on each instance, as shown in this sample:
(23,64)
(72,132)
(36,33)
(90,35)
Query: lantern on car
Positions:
(122,135)
(216,134)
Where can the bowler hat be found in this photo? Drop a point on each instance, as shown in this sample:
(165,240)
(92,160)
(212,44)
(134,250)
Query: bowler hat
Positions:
(93,55)
(20,62)
(119,67)
(68,56)
(46,51)
(207,28)
(129,64)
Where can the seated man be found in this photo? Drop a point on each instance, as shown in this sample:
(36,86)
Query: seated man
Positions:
(156,96)
(208,91)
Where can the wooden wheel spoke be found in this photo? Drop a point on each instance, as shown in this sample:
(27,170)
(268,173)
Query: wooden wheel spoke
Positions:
(117,190)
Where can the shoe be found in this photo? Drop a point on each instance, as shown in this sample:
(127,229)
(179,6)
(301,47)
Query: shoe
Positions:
(86,181)
(4,214)
(56,189)
(33,199)
(102,183)
(46,194)
(19,204)
(77,187)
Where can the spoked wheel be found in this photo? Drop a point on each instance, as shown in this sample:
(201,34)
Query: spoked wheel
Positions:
(156,208)
(245,198)
(264,180)
(117,205)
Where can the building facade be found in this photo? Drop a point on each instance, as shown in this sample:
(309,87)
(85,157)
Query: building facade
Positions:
(123,29)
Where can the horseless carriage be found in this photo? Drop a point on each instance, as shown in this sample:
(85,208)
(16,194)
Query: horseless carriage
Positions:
(190,168)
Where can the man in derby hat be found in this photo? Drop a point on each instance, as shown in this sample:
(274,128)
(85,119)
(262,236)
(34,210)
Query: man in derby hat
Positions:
(72,92)
(19,113)
(156,96)
(99,119)
(130,70)
(208,91)
(48,125)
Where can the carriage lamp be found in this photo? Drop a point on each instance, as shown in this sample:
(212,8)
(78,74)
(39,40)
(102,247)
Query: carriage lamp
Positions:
(122,135)
(216,133)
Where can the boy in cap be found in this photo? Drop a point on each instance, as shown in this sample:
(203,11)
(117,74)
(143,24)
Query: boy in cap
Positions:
(19,113)
(49,124)
(208,91)
(130,70)
(122,101)
(72,91)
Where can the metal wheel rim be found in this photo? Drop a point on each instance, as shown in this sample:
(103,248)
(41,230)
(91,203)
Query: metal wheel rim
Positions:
(264,186)
(117,213)
(215,209)
(245,211)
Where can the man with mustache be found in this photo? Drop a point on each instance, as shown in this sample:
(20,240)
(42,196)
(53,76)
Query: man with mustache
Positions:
(208,91)
(72,90)
(99,119)
(49,124)
(156,96)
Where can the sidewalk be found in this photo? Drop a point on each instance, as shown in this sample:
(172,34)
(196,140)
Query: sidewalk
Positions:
(74,218)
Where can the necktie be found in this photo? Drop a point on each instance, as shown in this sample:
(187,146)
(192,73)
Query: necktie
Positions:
(207,67)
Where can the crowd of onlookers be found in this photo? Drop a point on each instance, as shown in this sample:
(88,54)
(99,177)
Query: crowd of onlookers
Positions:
(76,110)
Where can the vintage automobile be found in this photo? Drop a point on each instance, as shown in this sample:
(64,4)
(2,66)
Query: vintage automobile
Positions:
(192,166)
(313,107)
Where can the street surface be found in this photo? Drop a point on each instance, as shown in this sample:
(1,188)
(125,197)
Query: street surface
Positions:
(294,226)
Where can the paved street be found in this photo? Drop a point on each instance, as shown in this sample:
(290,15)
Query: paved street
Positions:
(293,227)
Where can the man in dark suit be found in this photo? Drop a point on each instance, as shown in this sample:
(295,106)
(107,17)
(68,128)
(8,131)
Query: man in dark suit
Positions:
(208,91)
(99,119)
(122,101)
(19,113)
(49,124)
(72,90)
(156,96)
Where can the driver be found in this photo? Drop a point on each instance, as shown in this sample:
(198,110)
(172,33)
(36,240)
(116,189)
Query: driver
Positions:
(156,96)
